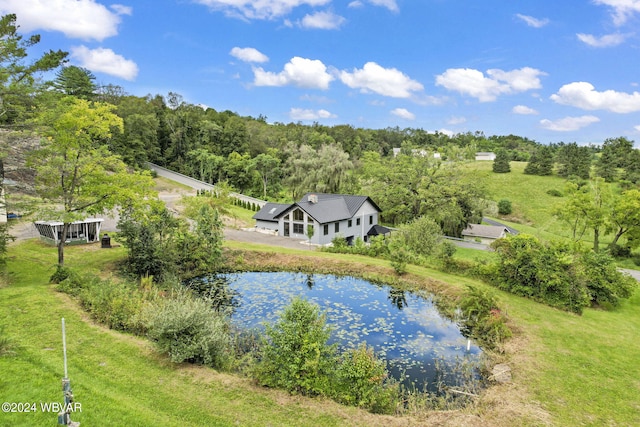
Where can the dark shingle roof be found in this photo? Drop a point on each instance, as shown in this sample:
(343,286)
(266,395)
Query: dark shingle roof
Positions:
(270,212)
(333,207)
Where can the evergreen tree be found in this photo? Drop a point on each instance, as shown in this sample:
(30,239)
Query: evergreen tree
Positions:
(574,160)
(76,81)
(541,162)
(501,162)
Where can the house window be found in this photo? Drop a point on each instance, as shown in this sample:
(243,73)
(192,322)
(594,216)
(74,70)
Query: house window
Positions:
(298,215)
(350,223)
(357,221)
(337,227)
(286,218)
(371,220)
(326,229)
(298,228)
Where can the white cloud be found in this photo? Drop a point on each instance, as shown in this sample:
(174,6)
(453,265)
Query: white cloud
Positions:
(322,21)
(248,54)
(523,109)
(105,61)
(389,4)
(81,19)
(568,124)
(392,5)
(583,95)
(260,9)
(637,128)
(301,72)
(304,114)
(607,40)
(533,22)
(622,10)
(121,9)
(403,113)
(384,81)
(487,88)
(456,121)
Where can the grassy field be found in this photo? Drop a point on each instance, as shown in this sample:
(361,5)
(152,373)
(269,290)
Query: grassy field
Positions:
(568,370)
(119,379)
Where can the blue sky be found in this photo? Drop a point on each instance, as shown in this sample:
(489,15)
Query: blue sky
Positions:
(549,70)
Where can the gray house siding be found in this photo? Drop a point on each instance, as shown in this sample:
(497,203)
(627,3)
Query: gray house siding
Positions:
(352,215)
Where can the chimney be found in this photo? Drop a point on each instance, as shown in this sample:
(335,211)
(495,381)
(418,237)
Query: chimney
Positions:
(313,198)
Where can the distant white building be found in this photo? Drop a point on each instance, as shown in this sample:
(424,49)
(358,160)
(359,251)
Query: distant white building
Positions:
(416,152)
(483,156)
(484,233)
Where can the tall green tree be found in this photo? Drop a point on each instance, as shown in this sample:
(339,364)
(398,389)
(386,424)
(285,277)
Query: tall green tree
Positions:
(76,81)
(586,208)
(541,162)
(18,76)
(501,162)
(268,168)
(625,216)
(574,160)
(75,171)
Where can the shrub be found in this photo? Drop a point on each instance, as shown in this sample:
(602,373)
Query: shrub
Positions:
(60,274)
(188,330)
(361,380)
(504,207)
(554,193)
(558,274)
(605,283)
(481,318)
(296,356)
(114,304)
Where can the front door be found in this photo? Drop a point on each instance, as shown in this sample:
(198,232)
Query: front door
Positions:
(286,229)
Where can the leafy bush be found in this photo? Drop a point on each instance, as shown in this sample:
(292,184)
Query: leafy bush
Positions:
(605,283)
(188,330)
(60,274)
(558,274)
(361,380)
(504,207)
(113,304)
(296,356)
(554,193)
(481,318)
(618,251)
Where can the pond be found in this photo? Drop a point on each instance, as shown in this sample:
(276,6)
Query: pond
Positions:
(404,328)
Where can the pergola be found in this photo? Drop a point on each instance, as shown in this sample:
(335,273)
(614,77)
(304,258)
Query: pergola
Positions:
(86,231)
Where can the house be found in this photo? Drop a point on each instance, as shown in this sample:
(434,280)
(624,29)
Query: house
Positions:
(484,233)
(416,152)
(86,231)
(480,156)
(324,216)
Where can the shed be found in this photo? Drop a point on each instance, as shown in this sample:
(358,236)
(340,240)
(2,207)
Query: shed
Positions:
(85,231)
(486,156)
(484,233)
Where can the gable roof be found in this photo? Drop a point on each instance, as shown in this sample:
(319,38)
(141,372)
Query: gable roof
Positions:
(328,208)
(270,211)
(486,231)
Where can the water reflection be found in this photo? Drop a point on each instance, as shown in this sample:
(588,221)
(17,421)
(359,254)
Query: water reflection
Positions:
(403,328)
(397,298)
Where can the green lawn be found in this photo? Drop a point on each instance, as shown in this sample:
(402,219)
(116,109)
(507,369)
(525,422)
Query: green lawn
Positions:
(119,379)
(567,369)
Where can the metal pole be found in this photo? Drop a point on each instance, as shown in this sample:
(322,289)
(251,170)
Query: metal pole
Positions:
(64,348)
